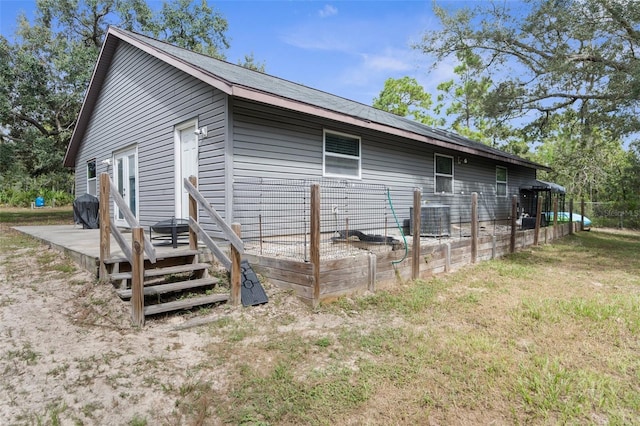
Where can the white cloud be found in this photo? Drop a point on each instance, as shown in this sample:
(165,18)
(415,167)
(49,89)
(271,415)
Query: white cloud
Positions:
(385,62)
(391,62)
(306,39)
(365,77)
(327,11)
(430,78)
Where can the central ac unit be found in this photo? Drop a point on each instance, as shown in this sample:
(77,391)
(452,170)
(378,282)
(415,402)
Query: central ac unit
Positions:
(435,220)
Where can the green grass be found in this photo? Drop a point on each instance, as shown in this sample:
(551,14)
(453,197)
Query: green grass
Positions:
(542,336)
(548,335)
(26,354)
(44,216)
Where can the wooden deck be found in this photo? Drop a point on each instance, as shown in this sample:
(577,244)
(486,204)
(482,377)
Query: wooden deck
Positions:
(81,245)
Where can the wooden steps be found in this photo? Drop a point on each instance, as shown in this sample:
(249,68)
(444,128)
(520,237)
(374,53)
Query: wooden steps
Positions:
(187,303)
(176,281)
(155,290)
(160,256)
(157,272)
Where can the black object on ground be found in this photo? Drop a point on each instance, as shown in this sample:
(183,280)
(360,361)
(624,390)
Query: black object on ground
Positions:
(86,211)
(367,238)
(169,229)
(530,222)
(251,290)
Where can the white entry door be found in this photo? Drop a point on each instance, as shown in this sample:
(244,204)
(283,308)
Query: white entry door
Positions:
(126,179)
(186,164)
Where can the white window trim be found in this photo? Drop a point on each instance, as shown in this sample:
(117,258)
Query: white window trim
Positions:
(332,154)
(95,178)
(505,182)
(436,174)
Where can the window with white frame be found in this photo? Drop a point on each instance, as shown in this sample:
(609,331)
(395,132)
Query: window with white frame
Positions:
(501,181)
(443,174)
(92,187)
(341,155)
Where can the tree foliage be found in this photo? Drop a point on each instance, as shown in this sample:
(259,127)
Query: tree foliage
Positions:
(252,63)
(463,100)
(561,77)
(46,69)
(572,155)
(193,26)
(551,56)
(406,97)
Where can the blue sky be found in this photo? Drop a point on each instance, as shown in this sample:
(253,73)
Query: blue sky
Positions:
(348,48)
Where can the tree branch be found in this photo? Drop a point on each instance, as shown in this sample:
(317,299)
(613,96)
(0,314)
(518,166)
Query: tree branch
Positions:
(35,123)
(11,138)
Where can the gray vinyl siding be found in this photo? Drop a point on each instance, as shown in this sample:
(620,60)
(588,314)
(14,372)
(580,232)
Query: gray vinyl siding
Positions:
(140,103)
(274,143)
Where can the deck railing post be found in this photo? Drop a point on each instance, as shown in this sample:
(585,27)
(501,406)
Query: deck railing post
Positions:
(236,268)
(314,250)
(538,220)
(137,277)
(514,223)
(105,230)
(417,227)
(193,212)
(582,215)
(474,227)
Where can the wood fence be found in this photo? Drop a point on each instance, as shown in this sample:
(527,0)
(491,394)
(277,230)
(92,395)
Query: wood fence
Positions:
(322,280)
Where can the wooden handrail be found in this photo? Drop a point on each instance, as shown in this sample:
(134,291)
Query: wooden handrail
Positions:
(108,228)
(120,240)
(211,245)
(213,214)
(131,221)
(232,233)
(122,205)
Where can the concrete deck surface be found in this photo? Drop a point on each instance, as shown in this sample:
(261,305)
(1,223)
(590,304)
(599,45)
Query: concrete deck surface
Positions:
(81,245)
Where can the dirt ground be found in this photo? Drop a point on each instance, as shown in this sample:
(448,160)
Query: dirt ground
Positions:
(70,356)
(480,347)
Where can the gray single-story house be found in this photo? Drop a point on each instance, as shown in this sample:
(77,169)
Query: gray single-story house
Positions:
(155,113)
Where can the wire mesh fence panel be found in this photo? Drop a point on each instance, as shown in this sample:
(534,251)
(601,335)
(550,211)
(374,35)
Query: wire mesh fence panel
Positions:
(274,215)
(352,215)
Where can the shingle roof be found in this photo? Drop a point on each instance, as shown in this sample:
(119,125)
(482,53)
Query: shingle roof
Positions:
(239,81)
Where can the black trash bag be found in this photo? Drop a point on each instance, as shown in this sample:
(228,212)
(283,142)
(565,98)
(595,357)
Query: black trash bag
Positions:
(86,210)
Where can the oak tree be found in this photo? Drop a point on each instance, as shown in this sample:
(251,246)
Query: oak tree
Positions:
(46,67)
